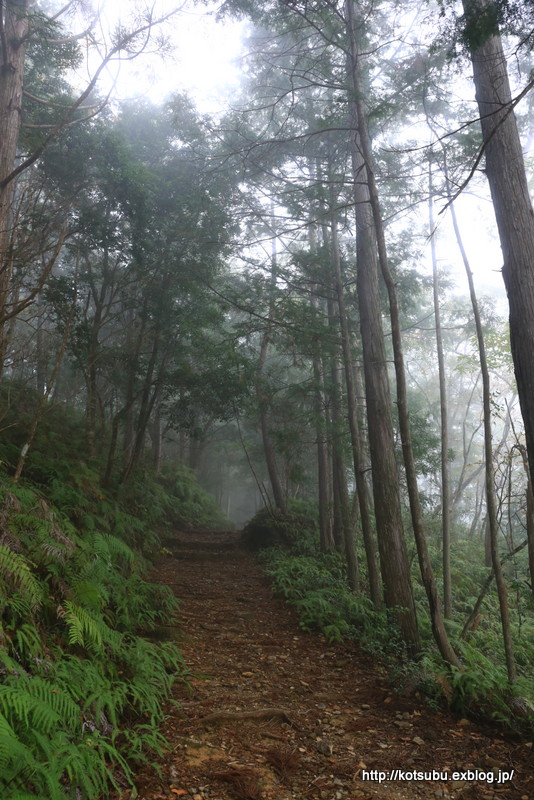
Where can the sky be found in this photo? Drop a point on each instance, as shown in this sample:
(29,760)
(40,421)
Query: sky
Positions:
(204,57)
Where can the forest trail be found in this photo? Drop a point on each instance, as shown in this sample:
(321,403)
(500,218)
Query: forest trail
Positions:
(322,715)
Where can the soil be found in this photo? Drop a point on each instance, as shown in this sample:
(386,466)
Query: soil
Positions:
(273,713)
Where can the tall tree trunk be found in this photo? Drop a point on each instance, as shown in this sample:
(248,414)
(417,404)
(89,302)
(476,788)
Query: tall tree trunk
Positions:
(323,469)
(157,438)
(444,424)
(343,518)
(347,518)
(324,480)
(491,507)
(352,410)
(425,565)
(388,512)
(505,170)
(279,494)
(14,28)
(530,534)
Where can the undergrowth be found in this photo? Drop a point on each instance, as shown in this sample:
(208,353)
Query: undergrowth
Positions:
(315,584)
(82,686)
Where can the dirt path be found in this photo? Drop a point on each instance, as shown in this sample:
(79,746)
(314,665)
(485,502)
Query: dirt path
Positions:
(277,714)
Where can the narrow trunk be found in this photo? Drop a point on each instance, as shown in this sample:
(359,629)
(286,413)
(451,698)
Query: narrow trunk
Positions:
(323,470)
(43,401)
(321,416)
(156,436)
(279,495)
(445,492)
(343,522)
(347,520)
(491,507)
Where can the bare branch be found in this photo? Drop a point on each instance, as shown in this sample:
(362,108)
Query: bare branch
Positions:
(112,55)
(28,300)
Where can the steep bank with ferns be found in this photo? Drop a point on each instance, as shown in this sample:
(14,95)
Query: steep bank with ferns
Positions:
(82,683)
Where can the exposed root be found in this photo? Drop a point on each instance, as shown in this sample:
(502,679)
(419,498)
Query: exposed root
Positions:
(261,713)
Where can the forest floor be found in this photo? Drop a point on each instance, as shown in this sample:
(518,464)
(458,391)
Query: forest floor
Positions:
(273,713)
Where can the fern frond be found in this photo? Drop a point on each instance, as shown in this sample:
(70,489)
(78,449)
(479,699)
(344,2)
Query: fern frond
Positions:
(11,748)
(19,707)
(9,664)
(27,641)
(61,703)
(17,570)
(111,548)
(89,595)
(88,631)
(26,796)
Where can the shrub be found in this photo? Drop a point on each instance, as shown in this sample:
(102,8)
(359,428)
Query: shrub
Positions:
(295,529)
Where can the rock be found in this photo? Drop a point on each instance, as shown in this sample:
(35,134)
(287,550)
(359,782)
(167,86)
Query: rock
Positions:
(325,747)
(418,740)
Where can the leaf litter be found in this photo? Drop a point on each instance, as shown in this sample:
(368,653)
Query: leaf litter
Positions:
(273,713)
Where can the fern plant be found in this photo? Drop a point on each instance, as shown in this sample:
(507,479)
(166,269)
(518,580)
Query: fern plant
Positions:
(15,571)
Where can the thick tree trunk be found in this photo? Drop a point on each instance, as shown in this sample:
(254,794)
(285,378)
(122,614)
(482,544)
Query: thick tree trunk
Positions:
(14,28)
(388,512)
(505,170)
(352,410)
(530,534)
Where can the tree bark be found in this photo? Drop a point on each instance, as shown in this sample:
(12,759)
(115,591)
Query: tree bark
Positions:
(505,170)
(279,495)
(352,410)
(491,508)
(323,470)
(444,424)
(14,23)
(388,512)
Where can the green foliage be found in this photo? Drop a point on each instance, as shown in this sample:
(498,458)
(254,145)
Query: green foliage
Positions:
(316,586)
(81,692)
(15,570)
(296,529)
(185,503)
